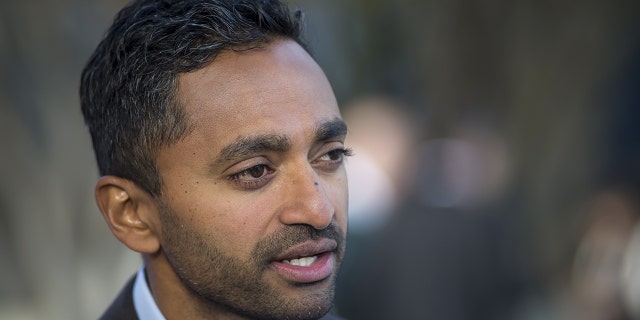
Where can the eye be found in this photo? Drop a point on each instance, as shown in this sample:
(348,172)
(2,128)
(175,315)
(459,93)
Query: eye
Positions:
(333,159)
(256,171)
(334,155)
(253,177)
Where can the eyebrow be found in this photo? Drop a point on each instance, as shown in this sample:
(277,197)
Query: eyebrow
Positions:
(335,128)
(246,146)
(250,145)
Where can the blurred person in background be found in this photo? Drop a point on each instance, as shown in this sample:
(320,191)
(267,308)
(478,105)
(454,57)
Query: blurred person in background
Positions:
(220,146)
(605,276)
(604,272)
(440,255)
(383,133)
(384,136)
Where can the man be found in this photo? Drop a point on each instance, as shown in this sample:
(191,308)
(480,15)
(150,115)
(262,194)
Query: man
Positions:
(220,147)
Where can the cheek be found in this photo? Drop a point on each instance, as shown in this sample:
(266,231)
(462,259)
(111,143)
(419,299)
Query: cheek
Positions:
(237,222)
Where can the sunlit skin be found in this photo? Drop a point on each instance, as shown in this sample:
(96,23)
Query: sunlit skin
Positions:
(262,166)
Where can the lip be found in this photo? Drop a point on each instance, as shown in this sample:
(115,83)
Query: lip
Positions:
(319,270)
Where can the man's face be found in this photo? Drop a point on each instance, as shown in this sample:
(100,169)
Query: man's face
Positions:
(254,202)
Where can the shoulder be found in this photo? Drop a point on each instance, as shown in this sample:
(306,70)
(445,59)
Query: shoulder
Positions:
(122,307)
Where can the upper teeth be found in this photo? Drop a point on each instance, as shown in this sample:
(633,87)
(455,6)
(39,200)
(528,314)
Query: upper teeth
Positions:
(302,262)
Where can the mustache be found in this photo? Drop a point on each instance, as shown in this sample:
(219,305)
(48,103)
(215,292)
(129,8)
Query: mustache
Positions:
(292,235)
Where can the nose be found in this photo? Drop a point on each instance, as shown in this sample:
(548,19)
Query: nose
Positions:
(306,200)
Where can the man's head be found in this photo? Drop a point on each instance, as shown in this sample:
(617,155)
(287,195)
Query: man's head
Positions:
(128,87)
(221,150)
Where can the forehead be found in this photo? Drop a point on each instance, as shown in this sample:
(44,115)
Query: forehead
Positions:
(278,87)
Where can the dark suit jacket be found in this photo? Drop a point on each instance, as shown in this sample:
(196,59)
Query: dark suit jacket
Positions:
(122,307)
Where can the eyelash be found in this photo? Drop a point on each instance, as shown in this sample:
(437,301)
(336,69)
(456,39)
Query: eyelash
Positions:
(342,152)
(253,183)
(257,182)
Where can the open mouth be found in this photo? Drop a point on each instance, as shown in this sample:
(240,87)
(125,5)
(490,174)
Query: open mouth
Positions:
(301,262)
(309,262)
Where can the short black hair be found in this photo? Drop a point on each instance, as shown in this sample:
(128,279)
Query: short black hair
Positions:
(128,87)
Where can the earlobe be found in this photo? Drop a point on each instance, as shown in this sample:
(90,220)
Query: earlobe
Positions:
(130,213)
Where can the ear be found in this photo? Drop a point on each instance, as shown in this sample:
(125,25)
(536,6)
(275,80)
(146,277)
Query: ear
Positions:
(130,212)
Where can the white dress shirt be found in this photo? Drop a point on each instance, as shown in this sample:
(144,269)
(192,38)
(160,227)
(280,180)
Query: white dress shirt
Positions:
(146,307)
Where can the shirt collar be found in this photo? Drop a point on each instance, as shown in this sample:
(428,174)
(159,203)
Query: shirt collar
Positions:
(143,301)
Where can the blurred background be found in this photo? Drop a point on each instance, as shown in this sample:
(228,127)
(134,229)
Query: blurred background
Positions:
(496,176)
